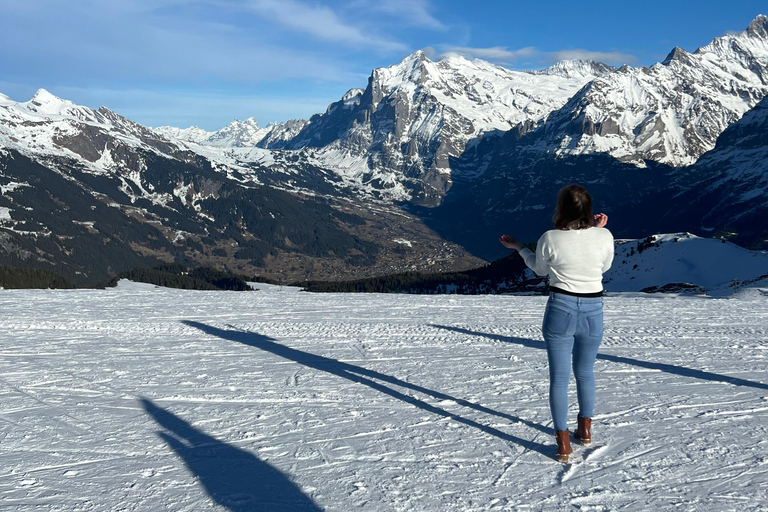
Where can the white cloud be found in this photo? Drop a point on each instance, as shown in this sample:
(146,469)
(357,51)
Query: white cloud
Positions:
(496,54)
(615,58)
(503,55)
(149,41)
(320,22)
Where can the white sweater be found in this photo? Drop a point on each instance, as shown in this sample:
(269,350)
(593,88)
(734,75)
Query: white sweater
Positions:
(574,259)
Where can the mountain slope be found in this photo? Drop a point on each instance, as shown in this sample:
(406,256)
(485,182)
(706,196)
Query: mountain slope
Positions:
(725,190)
(708,265)
(88,193)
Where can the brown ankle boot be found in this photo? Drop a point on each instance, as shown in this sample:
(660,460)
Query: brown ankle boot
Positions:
(563,438)
(583,431)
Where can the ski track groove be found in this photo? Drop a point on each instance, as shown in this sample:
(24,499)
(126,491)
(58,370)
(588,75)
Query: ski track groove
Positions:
(75,365)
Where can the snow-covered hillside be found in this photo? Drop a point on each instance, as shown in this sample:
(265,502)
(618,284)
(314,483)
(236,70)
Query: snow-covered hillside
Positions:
(147,399)
(49,126)
(713,266)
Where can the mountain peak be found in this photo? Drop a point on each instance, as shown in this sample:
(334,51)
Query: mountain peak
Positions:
(43,102)
(352,94)
(576,68)
(677,54)
(415,69)
(44,97)
(759,27)
(417,56)
(250,122)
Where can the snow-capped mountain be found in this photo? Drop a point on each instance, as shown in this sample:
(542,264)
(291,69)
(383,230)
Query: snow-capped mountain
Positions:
(48,127)
(420,126)
(670,113)
(641,192)
(471,149)
(237,134)
(88,193)
(401,137)
(191,134)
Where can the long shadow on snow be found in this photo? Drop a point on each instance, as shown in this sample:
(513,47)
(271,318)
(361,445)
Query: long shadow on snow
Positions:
(234,478)
(364,376)
(667,368)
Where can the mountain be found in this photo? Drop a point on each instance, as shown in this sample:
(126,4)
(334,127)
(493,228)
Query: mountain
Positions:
(401,137)
(88,194)
(421,126)
(670,113)
(471,147)
(687,180)
(237,134)
(420,170)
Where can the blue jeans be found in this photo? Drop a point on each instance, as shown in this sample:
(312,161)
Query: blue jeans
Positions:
(573,329)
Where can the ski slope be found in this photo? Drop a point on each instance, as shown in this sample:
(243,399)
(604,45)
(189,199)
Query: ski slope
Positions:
(144,399)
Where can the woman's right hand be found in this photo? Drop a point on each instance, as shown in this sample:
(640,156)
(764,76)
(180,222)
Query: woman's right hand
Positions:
(601,220)
(510,243)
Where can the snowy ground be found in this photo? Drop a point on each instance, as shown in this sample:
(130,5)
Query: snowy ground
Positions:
(149,399)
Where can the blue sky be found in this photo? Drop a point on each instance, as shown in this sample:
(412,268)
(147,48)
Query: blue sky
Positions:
(206,62)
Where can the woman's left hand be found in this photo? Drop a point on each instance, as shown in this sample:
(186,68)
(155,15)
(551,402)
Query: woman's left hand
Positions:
(510,243)
(601,220)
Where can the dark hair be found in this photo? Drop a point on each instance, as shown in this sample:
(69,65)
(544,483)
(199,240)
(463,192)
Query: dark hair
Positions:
(574,208)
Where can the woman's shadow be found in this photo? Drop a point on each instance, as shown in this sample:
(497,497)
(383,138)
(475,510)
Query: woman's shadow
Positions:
(234,478)
(365,376)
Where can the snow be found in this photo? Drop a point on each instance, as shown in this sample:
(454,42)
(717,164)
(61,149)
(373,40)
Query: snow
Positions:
(191,134)
(710,263)
(142,398)
(237,134)
(45,103)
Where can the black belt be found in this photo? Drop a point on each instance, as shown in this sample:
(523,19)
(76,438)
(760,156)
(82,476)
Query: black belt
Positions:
(575,294)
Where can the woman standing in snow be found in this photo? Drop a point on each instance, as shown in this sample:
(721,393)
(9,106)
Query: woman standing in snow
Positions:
(575,255)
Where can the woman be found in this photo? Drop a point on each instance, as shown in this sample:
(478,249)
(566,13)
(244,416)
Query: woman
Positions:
(575,255)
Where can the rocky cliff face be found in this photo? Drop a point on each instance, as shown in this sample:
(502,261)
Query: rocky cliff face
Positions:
(402,137)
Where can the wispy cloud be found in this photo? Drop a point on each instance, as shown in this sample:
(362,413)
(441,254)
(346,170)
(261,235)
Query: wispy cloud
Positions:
(416,13)
(496,54)
(321,22)
(503,55)
(149,41)
(616,58)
